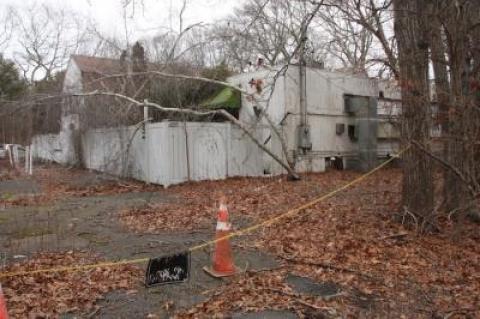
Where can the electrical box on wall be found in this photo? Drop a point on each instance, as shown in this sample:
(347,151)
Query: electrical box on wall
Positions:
(304,137)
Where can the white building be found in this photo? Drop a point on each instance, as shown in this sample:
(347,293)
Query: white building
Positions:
(346,122)
(340,120)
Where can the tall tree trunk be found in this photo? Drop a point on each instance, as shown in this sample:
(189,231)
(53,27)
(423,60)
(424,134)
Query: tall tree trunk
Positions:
(442,90)
(416,110)
(460,113)
(475,87)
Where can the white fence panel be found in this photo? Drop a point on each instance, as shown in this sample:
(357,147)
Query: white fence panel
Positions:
(163,153)
(166,153)
(245,158)
(208,150)
(117,151)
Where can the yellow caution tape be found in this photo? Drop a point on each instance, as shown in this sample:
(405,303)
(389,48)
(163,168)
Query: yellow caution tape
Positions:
(74,268)
(294,211)
(237,233)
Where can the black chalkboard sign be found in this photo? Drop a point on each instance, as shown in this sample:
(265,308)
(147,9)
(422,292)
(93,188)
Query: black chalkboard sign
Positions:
(168,269)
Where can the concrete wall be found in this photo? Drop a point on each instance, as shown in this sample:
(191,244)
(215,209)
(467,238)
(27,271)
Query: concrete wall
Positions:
(48,147)
(163,153)
(60,147)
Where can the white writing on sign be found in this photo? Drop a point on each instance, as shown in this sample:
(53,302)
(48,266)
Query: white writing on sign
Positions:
(165,275)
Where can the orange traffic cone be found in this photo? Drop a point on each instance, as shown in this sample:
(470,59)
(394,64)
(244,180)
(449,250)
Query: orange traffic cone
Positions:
(222,258)
(3,305)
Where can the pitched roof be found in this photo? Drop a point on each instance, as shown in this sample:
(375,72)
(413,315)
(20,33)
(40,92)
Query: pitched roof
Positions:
(104,66)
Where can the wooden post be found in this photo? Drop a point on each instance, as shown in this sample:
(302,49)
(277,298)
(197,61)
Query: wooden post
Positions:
(10,156)
(26,158)
(30,160)
(147,145)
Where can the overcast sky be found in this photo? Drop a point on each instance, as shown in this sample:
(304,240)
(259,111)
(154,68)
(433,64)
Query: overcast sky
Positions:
(150,18)
(156,13)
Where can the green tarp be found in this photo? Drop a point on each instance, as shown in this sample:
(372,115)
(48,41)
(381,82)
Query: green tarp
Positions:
(227,98)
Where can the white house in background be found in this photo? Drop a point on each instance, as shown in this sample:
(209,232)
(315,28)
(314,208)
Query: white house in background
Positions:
(345,121)
(79,74)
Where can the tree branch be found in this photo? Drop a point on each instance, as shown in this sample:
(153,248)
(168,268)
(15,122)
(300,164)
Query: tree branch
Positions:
(449,166)
(189,111)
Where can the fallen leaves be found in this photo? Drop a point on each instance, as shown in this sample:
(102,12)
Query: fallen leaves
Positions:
(254,293)
(47,295)
(252,198)
(352,240)
(185,216)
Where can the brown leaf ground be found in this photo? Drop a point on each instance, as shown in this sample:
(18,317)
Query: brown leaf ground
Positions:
(252,198)
(48,295)
(354,239)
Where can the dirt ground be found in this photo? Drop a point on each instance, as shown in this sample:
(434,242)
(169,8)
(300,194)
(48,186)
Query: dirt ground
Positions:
(349,256)
(86,219)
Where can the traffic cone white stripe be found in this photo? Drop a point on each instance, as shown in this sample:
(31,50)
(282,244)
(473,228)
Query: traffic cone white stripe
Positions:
(223,226)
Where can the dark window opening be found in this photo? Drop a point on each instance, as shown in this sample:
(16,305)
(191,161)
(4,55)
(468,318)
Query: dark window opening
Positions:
(352,134)
(335,162)
(348,105)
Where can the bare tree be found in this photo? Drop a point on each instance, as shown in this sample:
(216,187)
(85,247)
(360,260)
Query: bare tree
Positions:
(374,16)
(47,37)
(102,45)
(7,27)
(456,60)
(348,41)
(442,34)
(270,30)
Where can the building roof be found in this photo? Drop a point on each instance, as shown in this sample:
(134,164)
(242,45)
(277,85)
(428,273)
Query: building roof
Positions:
(105,66)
